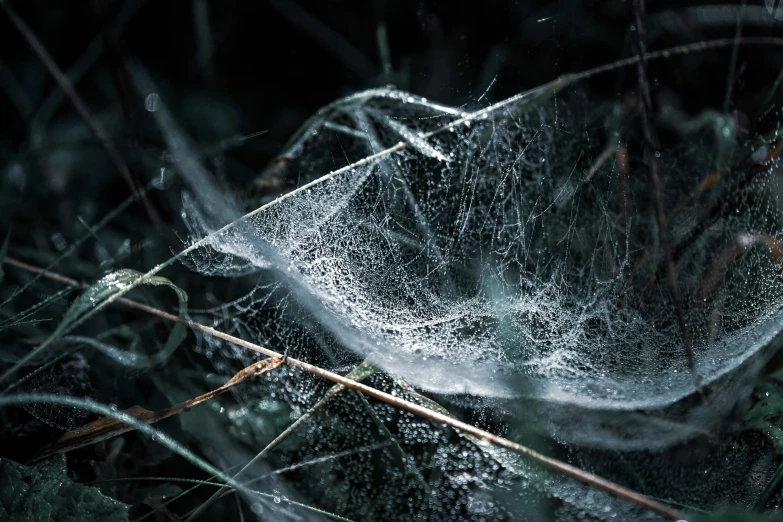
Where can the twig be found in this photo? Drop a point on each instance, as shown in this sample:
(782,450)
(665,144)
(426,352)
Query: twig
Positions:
(645,107)
(436,417)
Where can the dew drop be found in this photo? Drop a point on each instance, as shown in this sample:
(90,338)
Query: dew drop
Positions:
(152,102)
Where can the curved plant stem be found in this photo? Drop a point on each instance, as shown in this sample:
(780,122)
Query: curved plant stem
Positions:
(162,439)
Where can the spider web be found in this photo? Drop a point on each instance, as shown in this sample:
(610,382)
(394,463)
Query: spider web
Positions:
(514,254)
(505,260)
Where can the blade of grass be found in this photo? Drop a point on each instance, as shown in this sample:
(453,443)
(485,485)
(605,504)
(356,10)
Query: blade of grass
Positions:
(327,458)
(97,293)
(78,242)
(101,409)
(199,483)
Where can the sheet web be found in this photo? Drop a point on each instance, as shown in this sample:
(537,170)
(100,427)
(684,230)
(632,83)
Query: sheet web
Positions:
(509,257)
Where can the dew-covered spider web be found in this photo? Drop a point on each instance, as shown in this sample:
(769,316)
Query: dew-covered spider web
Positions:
(515,254)
(505,261)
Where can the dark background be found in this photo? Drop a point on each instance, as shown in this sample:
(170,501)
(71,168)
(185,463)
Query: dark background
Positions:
(268,65)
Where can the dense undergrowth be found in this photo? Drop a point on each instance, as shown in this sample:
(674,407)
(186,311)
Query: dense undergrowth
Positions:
(554,296)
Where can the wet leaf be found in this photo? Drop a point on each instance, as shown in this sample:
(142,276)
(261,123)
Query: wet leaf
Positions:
(44,493)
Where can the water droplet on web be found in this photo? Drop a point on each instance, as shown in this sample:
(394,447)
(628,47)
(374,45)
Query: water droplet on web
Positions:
(152,102)
(59,241)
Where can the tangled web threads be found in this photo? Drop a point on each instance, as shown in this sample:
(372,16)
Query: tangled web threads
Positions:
(512,253)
